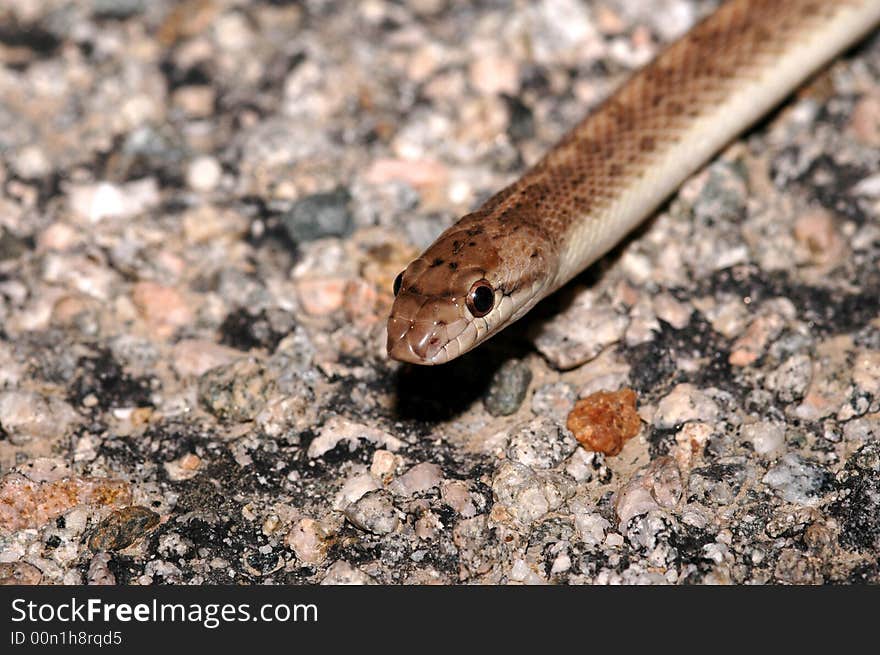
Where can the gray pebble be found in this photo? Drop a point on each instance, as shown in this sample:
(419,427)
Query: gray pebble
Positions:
(797,480)
(529,495)
(542,443)
(554,400)
(320,215)
(508,388)
(374,512)
(237,391)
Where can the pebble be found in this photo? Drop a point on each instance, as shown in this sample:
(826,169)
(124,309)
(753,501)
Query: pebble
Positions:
(310,540)
(752,345)
(354,488)
(580,332)
(540,444)
(99,572)
(676,313)
(343,573)
(817,232)
(25,503)
(236,392)
(492,74)
(766,437)
(591,525)
(122,528)
(194,357)
(320,215)
(865,119)
(195,100)
(374,512)
(321,296)
(797,480)
(862,430)
(96,202)
(529,496)
(203,174)
(19,573)
(866,373)
(338,429)
(164,308)
(25,416)
(383,465)
(508,388)
(553,400)
(791,380)
(684,403)
(456,494)
(419,479)
(183,468)
(657,485)
(605,420)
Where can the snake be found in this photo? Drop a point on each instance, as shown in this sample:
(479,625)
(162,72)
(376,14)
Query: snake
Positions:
(613,170)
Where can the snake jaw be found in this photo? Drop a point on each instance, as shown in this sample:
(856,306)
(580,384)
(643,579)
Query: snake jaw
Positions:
(420,328)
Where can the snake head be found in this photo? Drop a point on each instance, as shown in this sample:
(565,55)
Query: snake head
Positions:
(460,292)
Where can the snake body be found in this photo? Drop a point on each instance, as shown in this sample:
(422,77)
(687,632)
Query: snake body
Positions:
(613,170)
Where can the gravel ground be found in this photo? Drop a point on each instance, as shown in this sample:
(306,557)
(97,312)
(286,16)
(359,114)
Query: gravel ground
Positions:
(203,205)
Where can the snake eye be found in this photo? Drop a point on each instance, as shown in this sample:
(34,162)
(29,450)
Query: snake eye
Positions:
(481,298)
(397,282)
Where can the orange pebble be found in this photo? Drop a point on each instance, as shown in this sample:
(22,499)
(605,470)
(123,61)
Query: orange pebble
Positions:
(603,421)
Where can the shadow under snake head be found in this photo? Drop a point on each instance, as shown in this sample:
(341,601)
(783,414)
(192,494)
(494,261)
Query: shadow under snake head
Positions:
(466,287)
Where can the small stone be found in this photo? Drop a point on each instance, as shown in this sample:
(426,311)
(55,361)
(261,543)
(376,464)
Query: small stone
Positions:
(183,468)
(96,202)
(677,314)
(553,400)
(419,479)
(310,540)
(195,100)
(343,573)
(818,234)
(658,485)
(236,392)
(374,512)
(580,333)
(866,373)
(605,420)
(456,494)
(321,296)
(591,525)
(508,388)
(203,174)
(797,480)
(193,357)
(122,528)
(766,437)
(529,496)
(684,403)
(25,416)
(494,74)
(540,443)
(354,489)
(99,572)
(791,380)
(751,345)
(865,120)
(320,215)
(25,503)
(164,308)
(19,573)
(383,465)
(338,429)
